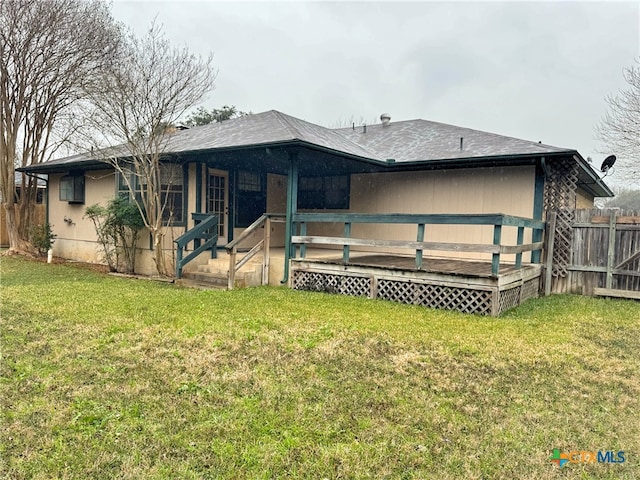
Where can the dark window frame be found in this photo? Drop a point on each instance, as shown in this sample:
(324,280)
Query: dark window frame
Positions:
(331,192)
(172,187)
(72,188)
(250,197)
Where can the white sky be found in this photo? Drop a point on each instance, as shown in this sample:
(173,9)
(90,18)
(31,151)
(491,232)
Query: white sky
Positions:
(533,70)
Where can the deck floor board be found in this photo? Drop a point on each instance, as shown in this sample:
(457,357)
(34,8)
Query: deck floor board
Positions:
(468,268)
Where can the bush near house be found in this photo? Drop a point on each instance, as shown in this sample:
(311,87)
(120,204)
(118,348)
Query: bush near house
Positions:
(104,377)
(42,238)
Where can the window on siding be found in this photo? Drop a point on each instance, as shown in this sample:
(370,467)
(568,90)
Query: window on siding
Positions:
(324,192)
(72,189)
(172,188)
(251,198)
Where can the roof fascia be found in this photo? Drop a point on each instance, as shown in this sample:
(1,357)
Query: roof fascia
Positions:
(598,188)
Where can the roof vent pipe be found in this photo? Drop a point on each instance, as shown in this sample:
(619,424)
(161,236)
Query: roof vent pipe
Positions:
(461,143)
(385,118)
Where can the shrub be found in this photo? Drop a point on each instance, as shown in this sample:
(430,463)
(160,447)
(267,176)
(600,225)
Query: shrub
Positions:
(42,238)
(117,227)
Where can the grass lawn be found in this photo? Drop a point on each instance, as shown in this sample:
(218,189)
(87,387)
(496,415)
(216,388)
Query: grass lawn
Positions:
(105,377)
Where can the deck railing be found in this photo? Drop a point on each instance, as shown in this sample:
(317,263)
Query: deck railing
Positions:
(232,247)
(496,220)
(204,236)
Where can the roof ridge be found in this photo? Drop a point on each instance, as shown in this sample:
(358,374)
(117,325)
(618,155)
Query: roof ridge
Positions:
(283,118)
(286,124)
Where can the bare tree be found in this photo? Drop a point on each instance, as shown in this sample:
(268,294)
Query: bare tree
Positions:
(619,129)
(49,51)
(143,93)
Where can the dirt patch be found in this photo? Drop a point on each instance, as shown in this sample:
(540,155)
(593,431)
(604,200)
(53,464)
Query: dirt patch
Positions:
(95,267)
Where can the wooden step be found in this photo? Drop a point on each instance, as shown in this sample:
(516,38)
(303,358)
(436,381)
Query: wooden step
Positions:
(250,275)
(215,279)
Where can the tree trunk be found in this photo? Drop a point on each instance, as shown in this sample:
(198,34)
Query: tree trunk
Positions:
(160,258)
(16,244)
(25,218)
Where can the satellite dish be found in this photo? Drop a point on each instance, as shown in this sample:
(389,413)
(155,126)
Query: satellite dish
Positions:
(608,163)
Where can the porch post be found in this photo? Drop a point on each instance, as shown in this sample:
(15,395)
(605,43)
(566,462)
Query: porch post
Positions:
(538,209)
(292,207)
(199,187)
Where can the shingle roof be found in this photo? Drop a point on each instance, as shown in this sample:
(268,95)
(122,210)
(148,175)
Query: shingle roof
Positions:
(405,141)
(421,140)
(262,128)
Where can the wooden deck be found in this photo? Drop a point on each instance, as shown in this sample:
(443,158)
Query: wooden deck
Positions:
(465,268)
(455,284)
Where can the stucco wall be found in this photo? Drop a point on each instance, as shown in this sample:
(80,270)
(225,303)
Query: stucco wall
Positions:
(76,238)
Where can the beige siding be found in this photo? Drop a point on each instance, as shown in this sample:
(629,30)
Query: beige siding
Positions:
(584,199)
(507,190)
(277,203)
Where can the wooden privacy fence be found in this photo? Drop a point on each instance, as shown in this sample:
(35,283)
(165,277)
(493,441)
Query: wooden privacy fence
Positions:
(605,254)
(38,219)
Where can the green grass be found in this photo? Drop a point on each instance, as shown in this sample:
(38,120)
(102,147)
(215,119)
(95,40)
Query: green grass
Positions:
(104,377)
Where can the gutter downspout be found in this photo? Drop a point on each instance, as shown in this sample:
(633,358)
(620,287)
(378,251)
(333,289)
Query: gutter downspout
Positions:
(46,193)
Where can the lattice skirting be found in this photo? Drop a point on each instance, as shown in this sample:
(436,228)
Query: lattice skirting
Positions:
(484,301)
(329,283)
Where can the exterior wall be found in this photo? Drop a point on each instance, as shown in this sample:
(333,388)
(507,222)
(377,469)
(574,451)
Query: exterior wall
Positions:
(277,203)
(583,199)
(508,190)
(76,238)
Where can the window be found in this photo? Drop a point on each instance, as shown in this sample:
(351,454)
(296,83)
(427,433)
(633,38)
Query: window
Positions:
(72,189)
(172,188)
(324,192)
(251,198)
(172,179)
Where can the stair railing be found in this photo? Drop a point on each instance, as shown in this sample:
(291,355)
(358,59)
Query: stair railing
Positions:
(264,244)
(204,236)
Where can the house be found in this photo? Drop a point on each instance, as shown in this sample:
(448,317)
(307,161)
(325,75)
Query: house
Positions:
(272,162)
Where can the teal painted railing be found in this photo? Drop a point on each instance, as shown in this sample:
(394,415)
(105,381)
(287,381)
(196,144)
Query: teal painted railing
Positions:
(204,236)
(264,245)
(497,220)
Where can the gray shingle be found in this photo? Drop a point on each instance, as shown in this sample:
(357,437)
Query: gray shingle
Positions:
(421,140)
(405,141)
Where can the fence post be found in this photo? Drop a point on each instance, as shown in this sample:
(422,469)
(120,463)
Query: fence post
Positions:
(303,232)
(611,251)
(520,240)
(495,259)
(420,238)
(548,267)
(345,248)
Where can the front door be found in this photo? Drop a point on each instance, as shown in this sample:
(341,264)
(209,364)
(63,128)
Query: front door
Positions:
(218,201)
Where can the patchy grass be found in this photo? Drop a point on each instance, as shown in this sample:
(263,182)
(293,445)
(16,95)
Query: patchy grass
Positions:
(104,377)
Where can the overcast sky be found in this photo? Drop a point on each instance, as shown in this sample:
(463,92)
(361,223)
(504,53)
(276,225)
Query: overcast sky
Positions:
(536,70)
